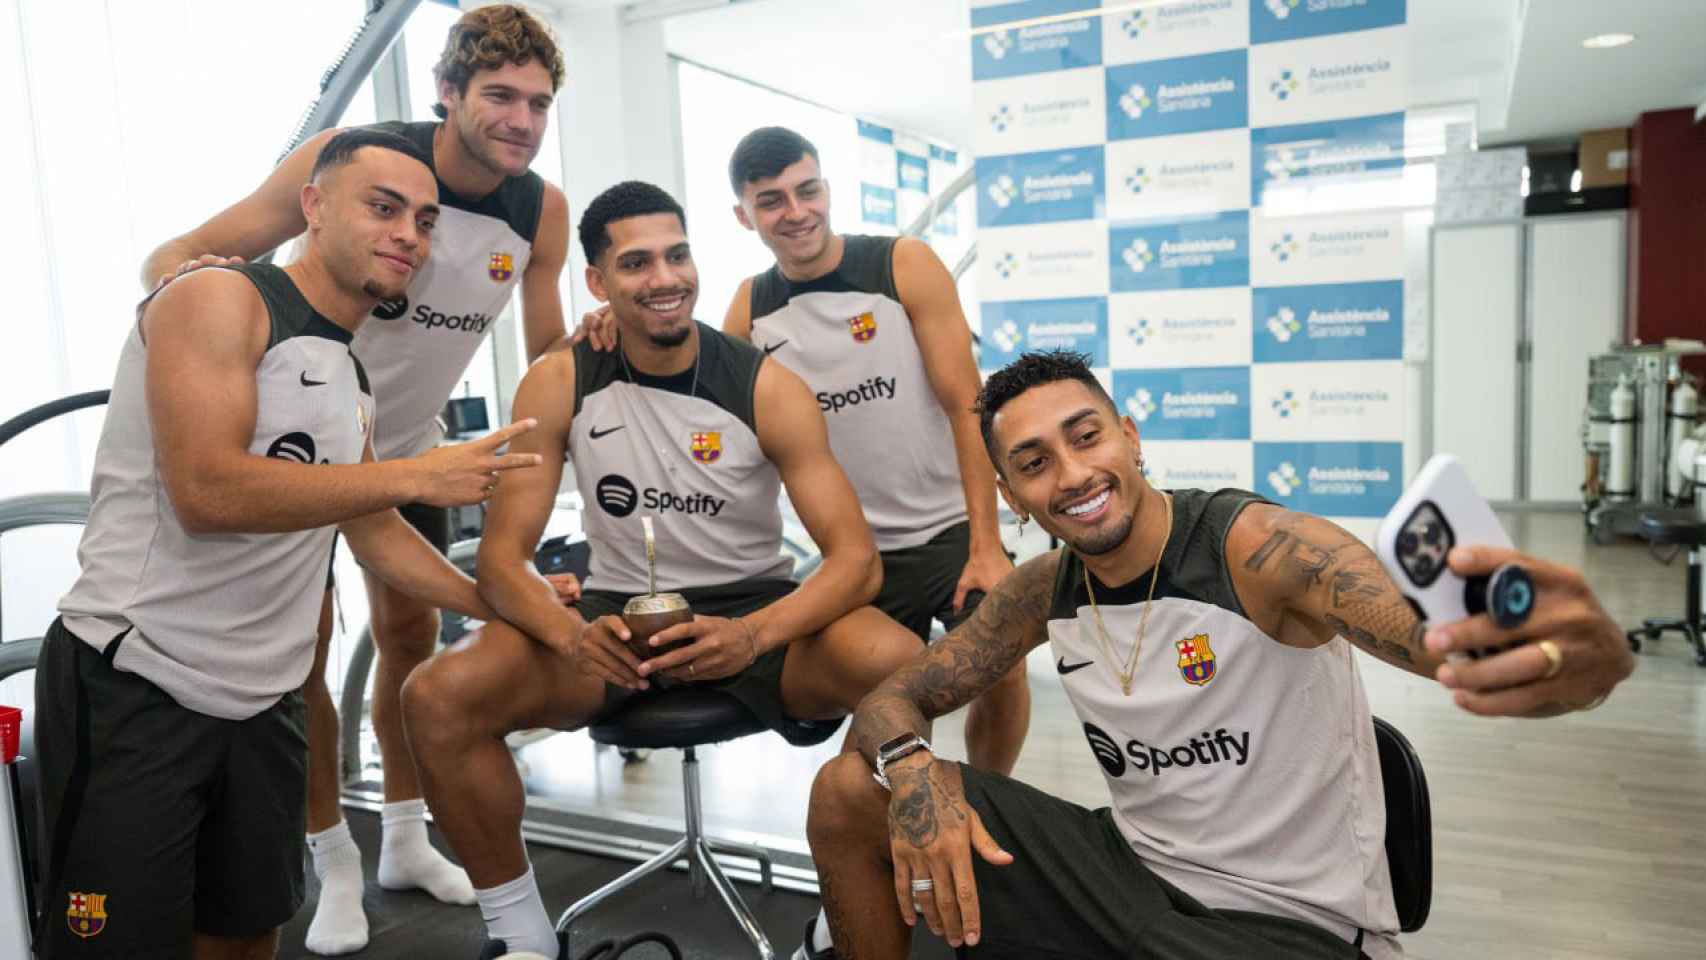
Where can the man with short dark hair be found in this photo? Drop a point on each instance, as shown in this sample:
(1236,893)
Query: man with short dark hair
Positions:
(699,432)
(169,720)
(1206,638)
(502,227)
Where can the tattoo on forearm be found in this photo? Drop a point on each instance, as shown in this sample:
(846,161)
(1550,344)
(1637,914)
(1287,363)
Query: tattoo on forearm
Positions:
(1369,641)
(1367,608)
(1011,620)
(1351,584)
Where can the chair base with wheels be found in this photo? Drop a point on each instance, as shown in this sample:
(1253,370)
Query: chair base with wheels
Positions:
(1686,529)
(684,718)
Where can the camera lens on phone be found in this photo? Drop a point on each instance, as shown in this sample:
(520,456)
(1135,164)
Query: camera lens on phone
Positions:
(1407,543)
(1423,564)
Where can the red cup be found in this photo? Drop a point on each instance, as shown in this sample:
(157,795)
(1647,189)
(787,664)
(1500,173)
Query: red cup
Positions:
(11,719)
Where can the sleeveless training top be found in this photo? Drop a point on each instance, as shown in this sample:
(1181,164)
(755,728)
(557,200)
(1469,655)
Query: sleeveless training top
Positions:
(416,349)
(1242,771)
(224,623)
(847,335)
(683,452)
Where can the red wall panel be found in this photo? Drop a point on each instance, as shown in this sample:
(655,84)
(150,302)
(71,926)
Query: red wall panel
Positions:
(1667,226)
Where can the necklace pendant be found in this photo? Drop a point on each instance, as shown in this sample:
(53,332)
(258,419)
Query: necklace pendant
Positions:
(1125,687)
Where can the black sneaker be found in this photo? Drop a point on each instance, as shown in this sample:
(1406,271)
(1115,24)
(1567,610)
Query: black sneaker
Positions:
(496,948)
(805,951)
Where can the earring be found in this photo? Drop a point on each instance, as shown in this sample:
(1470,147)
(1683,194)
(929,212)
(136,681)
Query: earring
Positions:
(1022,519)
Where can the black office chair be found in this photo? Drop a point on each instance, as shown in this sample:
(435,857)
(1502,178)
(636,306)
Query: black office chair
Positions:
(1409,826)
(684,718)
(1684,528)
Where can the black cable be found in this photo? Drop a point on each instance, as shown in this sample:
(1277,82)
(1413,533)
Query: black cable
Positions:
(47,411)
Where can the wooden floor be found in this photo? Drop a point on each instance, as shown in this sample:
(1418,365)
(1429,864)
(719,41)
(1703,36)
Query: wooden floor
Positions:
(1581,838)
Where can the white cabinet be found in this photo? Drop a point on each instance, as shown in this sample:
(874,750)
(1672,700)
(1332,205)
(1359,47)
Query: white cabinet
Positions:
(1518,307)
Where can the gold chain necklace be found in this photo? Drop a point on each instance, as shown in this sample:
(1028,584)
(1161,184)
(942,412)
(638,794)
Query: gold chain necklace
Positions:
(1124,676)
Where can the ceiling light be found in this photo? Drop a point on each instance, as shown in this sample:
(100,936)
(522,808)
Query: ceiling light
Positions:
(1606,41)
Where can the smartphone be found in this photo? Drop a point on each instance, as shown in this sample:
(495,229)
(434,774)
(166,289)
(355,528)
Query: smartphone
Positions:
(1440,510)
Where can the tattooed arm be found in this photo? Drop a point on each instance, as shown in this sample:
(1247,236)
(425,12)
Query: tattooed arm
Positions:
(932,830)
(1011,620)
(1303,579)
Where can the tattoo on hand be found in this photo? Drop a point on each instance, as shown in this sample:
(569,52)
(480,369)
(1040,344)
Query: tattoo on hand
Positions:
(914,811)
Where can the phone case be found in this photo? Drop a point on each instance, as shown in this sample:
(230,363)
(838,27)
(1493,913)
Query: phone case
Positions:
(1439,510)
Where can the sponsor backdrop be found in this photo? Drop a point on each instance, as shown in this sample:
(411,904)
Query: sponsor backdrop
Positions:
(896,174)
(1122,160)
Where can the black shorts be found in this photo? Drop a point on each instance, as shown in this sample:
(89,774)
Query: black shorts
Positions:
(1076,890)
(919,582)
(161,822)
(432,522)
(759,686)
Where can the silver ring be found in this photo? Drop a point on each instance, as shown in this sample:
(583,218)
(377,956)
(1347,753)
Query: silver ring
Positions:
(690,669)
(919,886)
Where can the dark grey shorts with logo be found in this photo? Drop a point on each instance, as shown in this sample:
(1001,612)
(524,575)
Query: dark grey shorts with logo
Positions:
(1076,891)
(919,582)
(161,822)
(759,686)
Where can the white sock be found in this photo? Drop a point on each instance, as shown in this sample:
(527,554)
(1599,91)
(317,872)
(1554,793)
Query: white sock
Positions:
(515,914)
(339,925)
(820,933)
(407,858)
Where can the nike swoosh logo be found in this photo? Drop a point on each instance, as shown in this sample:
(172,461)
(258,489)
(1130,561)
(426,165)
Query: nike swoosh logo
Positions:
(311,383)
(1065,668)
(770,348)
(597,433)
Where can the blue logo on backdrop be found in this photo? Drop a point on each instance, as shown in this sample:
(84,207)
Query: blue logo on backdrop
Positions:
(913,173)
(877,132)
(1273,20)
(1349,149)
(1337,321)
(1213,251)
(1183,95)
(947,222)
(1046,187)
(1012,327)
(1331,479)
(1012,52)
(943,154)
(1199,403)
(877,204)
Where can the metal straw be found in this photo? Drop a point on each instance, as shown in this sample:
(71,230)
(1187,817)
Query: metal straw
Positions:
(651,557)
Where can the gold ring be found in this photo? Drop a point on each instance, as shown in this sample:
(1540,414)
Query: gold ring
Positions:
(690,669)
(1554,656)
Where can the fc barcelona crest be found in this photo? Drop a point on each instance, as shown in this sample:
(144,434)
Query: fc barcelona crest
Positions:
(707,447)
(501,267)
(863,327)
(1196,659)
(87,915)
